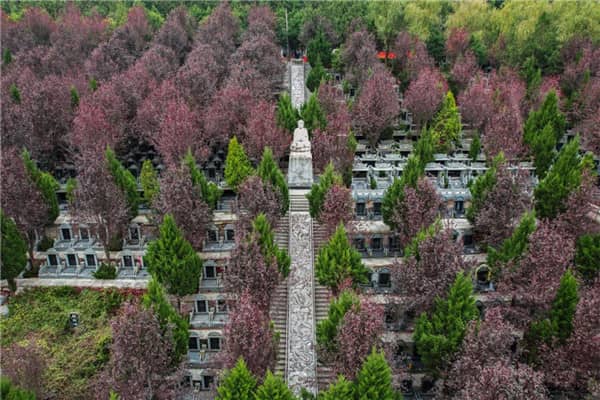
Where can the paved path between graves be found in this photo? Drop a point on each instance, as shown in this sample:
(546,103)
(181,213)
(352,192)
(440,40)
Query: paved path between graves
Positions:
(75,282)
(301,352)
(297,87)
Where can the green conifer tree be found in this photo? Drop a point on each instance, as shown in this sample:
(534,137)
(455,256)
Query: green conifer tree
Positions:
(481,186)
(439,335)
(70,188)
(319,48)
(563,307)
(341,389)
(425,147)
(313,115)
(6,57)
(14,251)
(237,164)
(287,116)
(563,177)
(74,97)
(149,182)
(412,249)
(318,191)
(587,256)
(327,329)
(514,246)
(269,249)
(269,171)
(15,93)
(316,75)
(211,193)
(446,126)
(273,388)
(394,194)
(338,260)
(548,114)
(237,384)
(173,262)
(374,380)
(45,183)
(125,180)
(93,84)
(475,148)
(156,299)
(543,147)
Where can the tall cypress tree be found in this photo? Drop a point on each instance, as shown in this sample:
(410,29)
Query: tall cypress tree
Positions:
(168,318)
(237,164)
(124,180)
(316,75)
(587,256)
(273,388)
(287,116)
(339,390)
(313,115)
(13,252)
(327,329)
(413,170)
(338,260)
(543,147)
(374,380)
(269,249)
(173,262)
(446,126)
(513,247)
(268,171)
(211,193)
(237,384)
(563,306)
(563,177)
(149,182)
(319,48)
(439,335)
(481,186)
(547,114)
(318,191)
(46,184)
(475,148)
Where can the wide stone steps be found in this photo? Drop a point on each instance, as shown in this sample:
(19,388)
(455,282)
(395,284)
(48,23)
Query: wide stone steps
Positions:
(282,232)
(278,314)
(325,376)
(298,201)
(319,237)
(322,299)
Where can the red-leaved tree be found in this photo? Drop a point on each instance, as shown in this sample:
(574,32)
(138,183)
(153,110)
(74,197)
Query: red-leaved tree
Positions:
(220,30)
(424,95)
(200,76)
(177,32)
(24,364)
(337,208)
(358,333)
(248,334)
(255,197)
(261,131)
(226,116)
(377,106)
(359,56)
(418,209)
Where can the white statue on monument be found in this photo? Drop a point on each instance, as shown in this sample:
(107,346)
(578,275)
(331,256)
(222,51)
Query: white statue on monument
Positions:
(301,143)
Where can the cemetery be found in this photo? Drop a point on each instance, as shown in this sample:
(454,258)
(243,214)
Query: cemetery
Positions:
(329,200)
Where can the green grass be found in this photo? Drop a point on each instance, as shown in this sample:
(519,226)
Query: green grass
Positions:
(74,356)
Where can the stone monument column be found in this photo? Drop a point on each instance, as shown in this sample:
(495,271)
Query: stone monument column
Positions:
(300,173)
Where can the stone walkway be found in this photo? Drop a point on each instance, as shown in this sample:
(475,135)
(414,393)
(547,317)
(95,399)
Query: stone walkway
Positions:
(297,86)
(301,354)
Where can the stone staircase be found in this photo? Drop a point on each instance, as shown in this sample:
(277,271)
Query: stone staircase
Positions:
(282,232)
(278,314)
(323,295)
(298,201)
(319,237)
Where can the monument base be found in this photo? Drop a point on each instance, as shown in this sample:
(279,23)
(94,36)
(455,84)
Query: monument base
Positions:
(300,172)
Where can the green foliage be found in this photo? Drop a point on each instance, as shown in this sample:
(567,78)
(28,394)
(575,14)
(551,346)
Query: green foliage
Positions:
(319,49)
(436,42)
(338,260)
(287,116)
(563,177)
(544,44)
(563,306)
(114,396)
(374,380)
(475,148)
(74,357)
(543,147)
(327,329)
(412,249)
(124,180)
(316,75)
(45,183)
(172,261)
(513,247)
(105,271)
(373,183)
(74,97)
(339,390)
(14,251)
(481,186)
(269,171)
(392,196)
(446,125)
(149,182)
(168,318)
(45,243)
(15,93)
(10,392)
(318,191)
(71,185)
(270,250)
(425,146)
(413,170)
(93,84)
(587,256)
(211,193)
(532,75)
(6,57)
(548,114)
(237,164)
(439,335)
(313,115)
(237,384)
(273,388)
